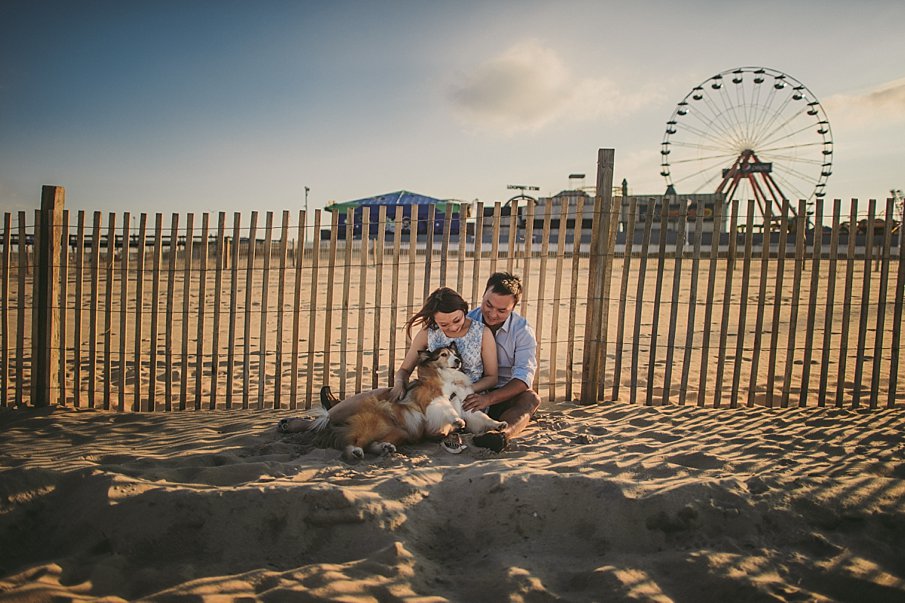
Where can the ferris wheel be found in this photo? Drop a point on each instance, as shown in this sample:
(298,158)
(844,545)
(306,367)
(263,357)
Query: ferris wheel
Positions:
(749,133)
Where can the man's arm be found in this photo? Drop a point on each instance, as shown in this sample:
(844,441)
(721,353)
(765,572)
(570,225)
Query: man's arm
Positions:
(523,370)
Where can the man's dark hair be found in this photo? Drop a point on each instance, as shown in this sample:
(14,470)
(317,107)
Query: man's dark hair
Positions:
(504,283)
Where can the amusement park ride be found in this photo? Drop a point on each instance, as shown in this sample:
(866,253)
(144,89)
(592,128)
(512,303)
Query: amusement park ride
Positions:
(749,133)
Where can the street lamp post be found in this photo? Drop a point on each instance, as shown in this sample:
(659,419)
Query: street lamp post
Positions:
(306,199)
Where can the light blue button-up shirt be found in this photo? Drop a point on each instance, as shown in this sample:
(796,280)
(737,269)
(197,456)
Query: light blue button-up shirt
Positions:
(516,348)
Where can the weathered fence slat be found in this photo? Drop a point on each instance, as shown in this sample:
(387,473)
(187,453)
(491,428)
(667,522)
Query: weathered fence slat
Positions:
(609,257)
(743,305)
(124,307)
(363,254)
(233,310)
(35,311)
(63,307)
(865,303)
(573,295)
(830,305)
(495,241)
(727,303)
(639,301)
(394,295)
(476,295)
(541,288)
(674,305)
(139,310)
(77,319)
(527,255)
(281,311)
(461,247)
(658,298)
(155,311)
(413,252)
(249,295)
(881,304)
(21,270)
(378,295)
(312,305)
(594,299)
(171,285)
(299,264)
(847,303)
(265,304)
(186,306)
(513,224)
(557,295)
(344,310)
(429,250)
(777,302)
(816,253)
(623,291)
(796,301)
(108,308)
(77,310)
(4,312)
(897,320)
(218,303)
(202,307)
(708,305)
(444,245)
(761,302)
(692,301)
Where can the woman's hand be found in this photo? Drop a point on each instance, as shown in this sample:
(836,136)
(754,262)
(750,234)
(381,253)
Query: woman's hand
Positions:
(397,393)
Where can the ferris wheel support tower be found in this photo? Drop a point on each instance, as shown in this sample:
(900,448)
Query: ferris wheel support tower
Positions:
(749,169)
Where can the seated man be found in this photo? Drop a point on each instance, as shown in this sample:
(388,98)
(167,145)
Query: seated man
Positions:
(513,400)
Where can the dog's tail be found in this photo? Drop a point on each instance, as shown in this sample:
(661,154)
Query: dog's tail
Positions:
(321,420)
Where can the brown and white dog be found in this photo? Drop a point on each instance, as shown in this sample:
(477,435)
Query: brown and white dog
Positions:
(432,406)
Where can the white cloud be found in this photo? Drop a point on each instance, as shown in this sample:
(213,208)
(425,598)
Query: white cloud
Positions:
(528,87)
(877,107)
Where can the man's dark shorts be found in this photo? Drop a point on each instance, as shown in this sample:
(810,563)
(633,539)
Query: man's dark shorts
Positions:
(496,411)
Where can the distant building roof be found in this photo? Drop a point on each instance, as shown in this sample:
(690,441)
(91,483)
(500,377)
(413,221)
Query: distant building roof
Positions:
(397,198)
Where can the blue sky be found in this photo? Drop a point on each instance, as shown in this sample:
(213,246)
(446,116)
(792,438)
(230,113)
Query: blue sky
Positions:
(233,105)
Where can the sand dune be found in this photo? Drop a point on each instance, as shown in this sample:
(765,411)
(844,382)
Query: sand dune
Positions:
(609,502)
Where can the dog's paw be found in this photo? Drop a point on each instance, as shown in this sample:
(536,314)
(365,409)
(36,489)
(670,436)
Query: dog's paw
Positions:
(283,426)
(387,448)
(501,425)
(354,453)
(458,424)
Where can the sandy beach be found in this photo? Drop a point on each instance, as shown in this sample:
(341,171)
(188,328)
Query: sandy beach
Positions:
(606,502)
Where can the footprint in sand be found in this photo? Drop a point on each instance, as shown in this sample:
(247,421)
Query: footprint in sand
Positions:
(696,460)
(662,437)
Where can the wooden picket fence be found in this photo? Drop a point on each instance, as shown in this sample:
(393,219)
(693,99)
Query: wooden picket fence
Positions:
(197,311)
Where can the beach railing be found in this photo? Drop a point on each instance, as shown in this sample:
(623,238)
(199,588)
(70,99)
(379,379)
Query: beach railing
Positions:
(200,311)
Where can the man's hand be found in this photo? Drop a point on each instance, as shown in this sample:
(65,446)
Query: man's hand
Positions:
(477,401)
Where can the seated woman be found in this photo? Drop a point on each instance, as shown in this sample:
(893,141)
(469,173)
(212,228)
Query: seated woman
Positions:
(445,323)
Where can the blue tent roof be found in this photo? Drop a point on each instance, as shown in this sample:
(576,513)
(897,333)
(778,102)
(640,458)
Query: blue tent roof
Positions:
(397,198)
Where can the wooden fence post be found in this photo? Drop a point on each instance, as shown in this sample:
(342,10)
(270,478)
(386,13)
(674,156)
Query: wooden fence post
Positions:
(597,305)
(46,345)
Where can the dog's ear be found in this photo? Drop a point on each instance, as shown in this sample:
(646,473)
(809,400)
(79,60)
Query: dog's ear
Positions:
(455,349)
(425,356)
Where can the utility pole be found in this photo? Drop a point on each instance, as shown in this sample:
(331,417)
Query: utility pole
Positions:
(306,200)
